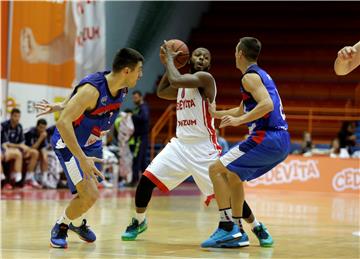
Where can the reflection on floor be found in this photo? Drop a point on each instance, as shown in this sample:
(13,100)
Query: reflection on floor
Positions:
(304,225)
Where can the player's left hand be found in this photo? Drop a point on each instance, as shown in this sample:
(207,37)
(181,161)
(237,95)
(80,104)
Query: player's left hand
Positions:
(167,49)
(229,121)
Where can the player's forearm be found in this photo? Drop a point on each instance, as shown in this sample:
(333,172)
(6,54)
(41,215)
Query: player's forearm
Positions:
(67,133)
(235,112)
(164,90)
(172,73)
(261,109)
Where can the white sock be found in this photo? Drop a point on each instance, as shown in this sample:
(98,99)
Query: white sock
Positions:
(29,176)
(63,219)
(225,215)
(16,176)
(140,217)
(255,223)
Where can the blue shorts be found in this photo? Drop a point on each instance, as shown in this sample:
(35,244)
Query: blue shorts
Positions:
(71,166)
(258,154)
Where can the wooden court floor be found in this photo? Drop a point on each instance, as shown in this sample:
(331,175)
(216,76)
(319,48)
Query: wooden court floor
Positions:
(303,225)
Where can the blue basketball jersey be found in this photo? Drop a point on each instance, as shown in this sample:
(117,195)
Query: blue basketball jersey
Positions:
(274,120)
(91,124)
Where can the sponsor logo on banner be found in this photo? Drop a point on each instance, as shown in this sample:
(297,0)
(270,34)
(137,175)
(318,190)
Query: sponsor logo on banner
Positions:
(284,173)
(348,178)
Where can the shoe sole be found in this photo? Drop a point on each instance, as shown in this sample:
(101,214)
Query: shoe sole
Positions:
(236,237)
(266,245)
(133,238)
(83,239)
(57,246)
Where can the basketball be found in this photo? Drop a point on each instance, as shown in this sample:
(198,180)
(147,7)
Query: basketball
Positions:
(181,59)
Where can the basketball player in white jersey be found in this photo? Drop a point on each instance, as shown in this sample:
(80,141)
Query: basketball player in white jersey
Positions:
(195,146)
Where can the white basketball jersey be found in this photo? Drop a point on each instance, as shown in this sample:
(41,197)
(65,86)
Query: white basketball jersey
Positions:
(194,121)
(89,17)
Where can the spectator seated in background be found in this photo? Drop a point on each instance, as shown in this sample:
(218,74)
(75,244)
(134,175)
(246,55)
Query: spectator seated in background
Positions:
(335,148)
(12,159)
(36,138)
(306,145)
(347,138)
(12,133)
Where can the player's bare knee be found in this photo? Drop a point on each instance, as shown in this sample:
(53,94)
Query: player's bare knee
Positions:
(233,179)
(215,169)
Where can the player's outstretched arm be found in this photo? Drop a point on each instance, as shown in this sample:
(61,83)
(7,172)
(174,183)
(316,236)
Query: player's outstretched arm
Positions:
(46,108)
(348,58)
(218,114)
(253,84)
(85,98)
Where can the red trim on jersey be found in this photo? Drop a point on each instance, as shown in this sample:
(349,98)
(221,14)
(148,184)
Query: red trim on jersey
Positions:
(113,106)
(96,131)
(156,181)
(259,137)
(207,120)
(209,198)
(245,96)
(79,120)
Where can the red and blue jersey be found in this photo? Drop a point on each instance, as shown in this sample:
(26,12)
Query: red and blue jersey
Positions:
(274,120)
(91,124)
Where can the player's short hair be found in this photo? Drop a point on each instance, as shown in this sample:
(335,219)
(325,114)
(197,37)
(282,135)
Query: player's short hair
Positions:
(15,110)
(126,57)
(137,92)
(250,47)
(41,121)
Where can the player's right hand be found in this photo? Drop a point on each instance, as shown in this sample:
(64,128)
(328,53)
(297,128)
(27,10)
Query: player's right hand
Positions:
(88,167)
(346,53)
(45,107)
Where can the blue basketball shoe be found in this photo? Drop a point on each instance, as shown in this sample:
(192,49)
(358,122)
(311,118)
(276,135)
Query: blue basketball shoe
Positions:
(263,235)
(134,229)
(221,236)
(84,232)
(59,235)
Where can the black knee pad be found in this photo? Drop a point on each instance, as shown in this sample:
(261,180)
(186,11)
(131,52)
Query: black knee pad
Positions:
(246,210)
(144,192)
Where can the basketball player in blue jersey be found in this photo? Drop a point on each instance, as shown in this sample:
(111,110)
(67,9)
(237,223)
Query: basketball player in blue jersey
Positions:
(89,112)
(268,144)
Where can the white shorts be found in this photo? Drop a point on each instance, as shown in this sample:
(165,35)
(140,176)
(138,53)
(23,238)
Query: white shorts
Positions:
(179,160)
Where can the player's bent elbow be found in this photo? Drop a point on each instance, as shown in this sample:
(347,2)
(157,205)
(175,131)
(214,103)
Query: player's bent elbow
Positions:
(269,106)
